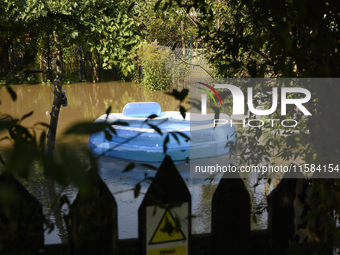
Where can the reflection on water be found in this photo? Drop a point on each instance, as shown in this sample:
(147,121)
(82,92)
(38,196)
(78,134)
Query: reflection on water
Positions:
(87,101)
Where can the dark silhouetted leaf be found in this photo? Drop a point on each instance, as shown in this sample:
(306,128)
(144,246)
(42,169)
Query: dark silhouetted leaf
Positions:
(108,136)
(113,130)
(254,218)
(120,123)
(166,140)
(131,6)
(42,124)
(7,123)
(4,138)
(64,200)
(157,5)
(183,135)
(182,111)
(12,93)
(42,140)
(157,129)
(175,136)
(2,161)
(137,190)
(152,116)
(174,46)
(26,116)
(87,128)
(129,167)
(149,166)
(108,111)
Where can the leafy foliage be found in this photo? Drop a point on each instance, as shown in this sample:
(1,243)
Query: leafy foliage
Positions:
(100,25)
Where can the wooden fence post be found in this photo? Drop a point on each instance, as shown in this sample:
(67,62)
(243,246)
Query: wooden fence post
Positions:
(92,220)
(164,223)
(281,214)
(230,223)
(21,219)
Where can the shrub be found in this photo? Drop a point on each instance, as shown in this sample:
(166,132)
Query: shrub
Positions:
(156,66)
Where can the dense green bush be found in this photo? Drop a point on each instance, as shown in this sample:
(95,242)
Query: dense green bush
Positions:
(155,61)
(160,68)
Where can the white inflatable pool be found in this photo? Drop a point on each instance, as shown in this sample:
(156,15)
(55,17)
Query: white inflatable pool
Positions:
(139,141)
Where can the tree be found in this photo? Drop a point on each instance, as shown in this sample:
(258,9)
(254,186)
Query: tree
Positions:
(284,39)
(104,26)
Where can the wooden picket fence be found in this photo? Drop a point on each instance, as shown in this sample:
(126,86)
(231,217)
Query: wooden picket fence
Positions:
(92,219)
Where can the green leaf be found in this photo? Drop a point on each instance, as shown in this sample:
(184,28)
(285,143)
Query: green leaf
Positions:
(254,218)
(12,93)
(74,34)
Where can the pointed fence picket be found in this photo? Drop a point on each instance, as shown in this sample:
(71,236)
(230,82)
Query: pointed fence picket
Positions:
(92,220)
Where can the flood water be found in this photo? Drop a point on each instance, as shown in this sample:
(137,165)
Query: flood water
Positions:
(88,101)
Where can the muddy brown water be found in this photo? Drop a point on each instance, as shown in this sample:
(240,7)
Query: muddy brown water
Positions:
(88,101)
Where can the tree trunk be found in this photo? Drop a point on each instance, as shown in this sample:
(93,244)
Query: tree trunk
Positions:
(5,44)
(51,137)
(49,59)
(80,57)
(182,34)
(87,65)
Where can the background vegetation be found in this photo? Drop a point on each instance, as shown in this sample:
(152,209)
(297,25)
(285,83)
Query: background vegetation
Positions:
(243,38)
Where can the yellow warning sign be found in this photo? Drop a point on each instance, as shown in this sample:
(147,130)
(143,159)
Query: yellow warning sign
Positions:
(166,232)
(177,250)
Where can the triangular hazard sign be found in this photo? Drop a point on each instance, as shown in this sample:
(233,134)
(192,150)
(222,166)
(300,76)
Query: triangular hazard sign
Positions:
(165,231)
